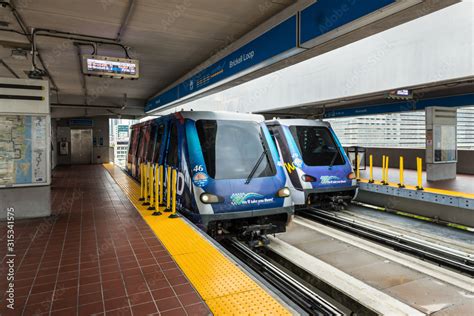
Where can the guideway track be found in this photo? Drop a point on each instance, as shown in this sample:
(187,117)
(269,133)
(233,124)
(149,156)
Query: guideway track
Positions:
(447,257)
(305,298)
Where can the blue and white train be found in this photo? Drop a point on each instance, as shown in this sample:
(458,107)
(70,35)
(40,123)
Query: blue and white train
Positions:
(230,178)
(319,170)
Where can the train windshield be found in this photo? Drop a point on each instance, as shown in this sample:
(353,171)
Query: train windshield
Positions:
(232,149)
(317,146)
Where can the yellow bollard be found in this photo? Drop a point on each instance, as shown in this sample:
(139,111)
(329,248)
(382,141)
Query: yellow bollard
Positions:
(402,180)
(142,198)
(383,169)
(152,188)
(168,189)
(161,186)
(146,183)
(386,170)
(371,170)
(419,169)
(174,188)
(357,167)
(157,191)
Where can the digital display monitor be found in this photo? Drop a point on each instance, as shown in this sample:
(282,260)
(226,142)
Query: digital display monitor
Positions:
(110,67)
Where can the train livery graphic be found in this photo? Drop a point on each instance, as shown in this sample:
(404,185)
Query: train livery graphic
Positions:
(230,180)
(315,162)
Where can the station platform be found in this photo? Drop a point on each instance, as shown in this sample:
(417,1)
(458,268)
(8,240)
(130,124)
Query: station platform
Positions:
(462,186)
(102,253)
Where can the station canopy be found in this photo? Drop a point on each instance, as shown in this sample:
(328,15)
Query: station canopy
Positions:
(181,49)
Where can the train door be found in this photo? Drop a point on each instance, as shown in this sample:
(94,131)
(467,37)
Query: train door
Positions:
(150,150)
(172,150)
(171,158)
(132,164)
(159,139)
(142,144)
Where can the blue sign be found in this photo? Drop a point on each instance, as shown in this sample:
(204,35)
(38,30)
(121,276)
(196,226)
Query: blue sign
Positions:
(327,15)
(277,40)
(316,20)
(81,122)
(451,101)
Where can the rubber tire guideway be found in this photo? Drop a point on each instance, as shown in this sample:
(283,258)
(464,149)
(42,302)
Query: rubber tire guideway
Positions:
(431,252)
(305,298)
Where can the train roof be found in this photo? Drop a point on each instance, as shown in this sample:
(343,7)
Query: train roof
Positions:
(208,115)
(299,122)
(221,115)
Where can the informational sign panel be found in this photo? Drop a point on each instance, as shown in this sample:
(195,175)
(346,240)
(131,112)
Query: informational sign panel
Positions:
(24,152)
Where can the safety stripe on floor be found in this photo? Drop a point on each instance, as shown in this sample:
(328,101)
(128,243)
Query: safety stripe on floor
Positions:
(225,288)
(429,190)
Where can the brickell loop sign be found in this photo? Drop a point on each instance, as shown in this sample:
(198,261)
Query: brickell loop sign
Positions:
(317,23)
(23,150)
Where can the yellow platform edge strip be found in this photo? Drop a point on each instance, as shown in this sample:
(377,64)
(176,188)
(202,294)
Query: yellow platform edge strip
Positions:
(429,190)
(225,288)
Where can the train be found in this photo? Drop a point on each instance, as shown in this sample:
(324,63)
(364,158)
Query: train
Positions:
(230,178)
(320,173)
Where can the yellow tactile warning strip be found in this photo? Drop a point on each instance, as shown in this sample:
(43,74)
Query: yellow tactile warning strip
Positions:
(430,190)
(225,288)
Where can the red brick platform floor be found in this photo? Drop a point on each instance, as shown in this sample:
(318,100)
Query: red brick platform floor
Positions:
(94,256)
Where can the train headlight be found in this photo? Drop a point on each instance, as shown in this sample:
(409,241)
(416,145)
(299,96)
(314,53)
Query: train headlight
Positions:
(284,192)
(208,198)
(308,178)
(351,176)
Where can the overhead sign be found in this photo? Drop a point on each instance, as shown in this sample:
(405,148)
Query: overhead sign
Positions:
(278,40)
(110,67)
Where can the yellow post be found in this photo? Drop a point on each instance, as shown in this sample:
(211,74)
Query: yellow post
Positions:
(142,183)
(146,184)
(383,169)
(371,169)
(152,188)
(386,170)
(402,180)
(357,167)
(174,189)
(157,190)
(161,186)
(168,189)
(419,169)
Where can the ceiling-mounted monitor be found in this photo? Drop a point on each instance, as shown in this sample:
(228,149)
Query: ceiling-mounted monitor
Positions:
(103,66)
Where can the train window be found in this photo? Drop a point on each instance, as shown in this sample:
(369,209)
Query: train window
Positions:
(142,143)
(231,149)
(172,154)
(151,143)
(317,146)
(159,137)
(132,148)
